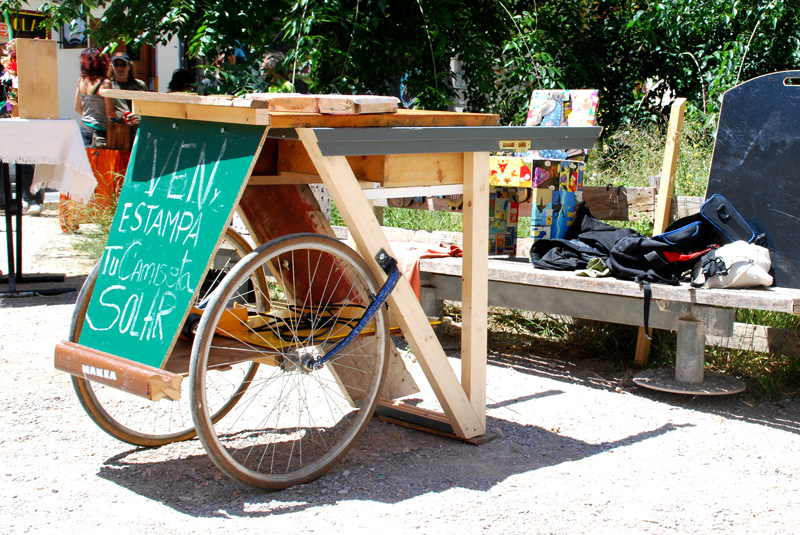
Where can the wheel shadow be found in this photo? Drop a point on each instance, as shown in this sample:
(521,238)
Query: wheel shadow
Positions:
(388,464)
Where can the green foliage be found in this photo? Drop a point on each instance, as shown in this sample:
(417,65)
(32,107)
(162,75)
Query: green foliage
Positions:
(630,155)
(639,54)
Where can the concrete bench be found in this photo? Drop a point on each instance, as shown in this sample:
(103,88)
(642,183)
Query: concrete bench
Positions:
(701,316)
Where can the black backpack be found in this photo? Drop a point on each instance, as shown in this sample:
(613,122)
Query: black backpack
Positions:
(667,257)
(663,258)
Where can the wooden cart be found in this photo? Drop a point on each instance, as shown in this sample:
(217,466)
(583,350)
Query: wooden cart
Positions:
(267,399)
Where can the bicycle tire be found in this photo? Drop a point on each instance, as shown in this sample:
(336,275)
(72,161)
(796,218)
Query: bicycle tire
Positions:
(328,408)
(141,422)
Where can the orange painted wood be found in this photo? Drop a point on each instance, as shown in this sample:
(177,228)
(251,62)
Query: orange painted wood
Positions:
(123,374)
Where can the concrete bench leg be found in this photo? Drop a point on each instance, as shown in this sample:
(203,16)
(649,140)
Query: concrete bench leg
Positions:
(689,376)
(432,305)
(690,354)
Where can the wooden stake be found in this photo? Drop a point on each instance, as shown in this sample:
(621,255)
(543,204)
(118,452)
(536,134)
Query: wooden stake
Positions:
(474,289)
(666,187)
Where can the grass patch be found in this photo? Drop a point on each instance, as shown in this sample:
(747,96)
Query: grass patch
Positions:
(409,218)
(95,220)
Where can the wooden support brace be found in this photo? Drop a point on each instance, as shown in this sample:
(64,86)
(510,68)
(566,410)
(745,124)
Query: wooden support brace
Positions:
(343,186)
(131,377)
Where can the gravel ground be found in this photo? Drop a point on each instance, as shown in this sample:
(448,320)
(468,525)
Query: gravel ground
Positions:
(580,449)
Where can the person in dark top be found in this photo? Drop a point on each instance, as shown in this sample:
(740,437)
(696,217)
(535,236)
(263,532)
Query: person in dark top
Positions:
(122,77)
(182,81)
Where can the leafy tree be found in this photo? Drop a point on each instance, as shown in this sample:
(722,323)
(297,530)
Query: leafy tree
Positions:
(637,52)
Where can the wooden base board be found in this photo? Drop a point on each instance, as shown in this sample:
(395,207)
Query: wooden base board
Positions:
(425,420)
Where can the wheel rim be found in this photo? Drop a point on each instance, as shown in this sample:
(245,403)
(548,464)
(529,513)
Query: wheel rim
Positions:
(293,423)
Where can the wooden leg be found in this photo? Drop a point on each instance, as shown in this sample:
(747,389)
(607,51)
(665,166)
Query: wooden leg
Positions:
(475,290)
(367,233)
(642,347)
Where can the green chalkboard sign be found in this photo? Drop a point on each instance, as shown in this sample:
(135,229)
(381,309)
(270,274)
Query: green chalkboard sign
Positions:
(179,194)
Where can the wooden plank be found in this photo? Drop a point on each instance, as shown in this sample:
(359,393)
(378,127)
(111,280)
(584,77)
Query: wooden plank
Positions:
(410,170)
(37,72)
(760,339)
(284,179)
(201,112)
(474,288)
(293,158)
(183,98)
(294,102)
(400,118)
(666,188)
(394,170)
(521,272)
(327,104)
(220,355)
(666,185)
(619,204)
(300,118)
(356,211)
(128,376)
(626,310)
(357,104)
(425,420)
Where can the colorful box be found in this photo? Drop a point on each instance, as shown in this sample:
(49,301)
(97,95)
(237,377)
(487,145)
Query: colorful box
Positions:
(557,190)
(573,107)
(555,181)
(582,107)
(509,172)
(503,220)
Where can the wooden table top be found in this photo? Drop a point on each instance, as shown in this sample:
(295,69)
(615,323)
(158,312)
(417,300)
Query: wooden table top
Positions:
(288,110)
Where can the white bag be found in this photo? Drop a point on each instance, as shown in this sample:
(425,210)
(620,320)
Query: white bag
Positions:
(735,265)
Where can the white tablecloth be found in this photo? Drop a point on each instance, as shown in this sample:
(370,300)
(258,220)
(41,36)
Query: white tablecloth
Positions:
(56,148)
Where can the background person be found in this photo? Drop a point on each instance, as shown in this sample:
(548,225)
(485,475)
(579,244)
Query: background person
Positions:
(122,77)
(181,82)
(95,110)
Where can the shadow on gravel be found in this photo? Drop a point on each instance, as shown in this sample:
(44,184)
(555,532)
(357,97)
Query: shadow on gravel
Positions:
(41,294)
(388,464)
(606,374)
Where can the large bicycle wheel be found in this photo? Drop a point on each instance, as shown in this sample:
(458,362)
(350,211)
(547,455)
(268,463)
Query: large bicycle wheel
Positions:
(295,420)
(141,422)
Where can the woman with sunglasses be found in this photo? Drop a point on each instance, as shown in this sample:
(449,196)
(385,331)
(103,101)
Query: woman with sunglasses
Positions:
(122,78)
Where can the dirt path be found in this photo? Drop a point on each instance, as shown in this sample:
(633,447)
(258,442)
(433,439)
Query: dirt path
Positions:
(580,450)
